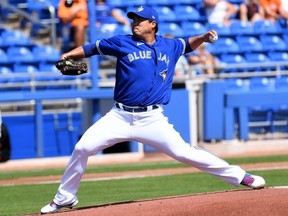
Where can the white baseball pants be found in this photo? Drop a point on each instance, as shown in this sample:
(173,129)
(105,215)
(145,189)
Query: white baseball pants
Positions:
(150,128)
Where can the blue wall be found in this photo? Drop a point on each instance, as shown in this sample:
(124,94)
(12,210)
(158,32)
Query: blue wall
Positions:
(56,142)
(61,142)
(177,112)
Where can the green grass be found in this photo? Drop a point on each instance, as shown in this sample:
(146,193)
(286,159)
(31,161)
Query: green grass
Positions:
(135,166)
(27,199)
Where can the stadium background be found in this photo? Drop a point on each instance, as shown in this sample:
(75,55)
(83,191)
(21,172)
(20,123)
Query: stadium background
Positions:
(46,113)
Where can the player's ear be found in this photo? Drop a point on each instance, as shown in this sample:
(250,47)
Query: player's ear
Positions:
(154,25)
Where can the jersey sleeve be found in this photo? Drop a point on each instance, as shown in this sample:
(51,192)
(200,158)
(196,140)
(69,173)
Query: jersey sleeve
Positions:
(110,46)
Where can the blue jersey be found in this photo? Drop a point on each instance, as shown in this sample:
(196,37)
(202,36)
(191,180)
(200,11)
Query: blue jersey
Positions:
(144,73)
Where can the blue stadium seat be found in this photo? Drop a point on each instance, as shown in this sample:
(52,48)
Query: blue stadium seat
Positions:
(265,27)
(236,84)
(160,2)
(128,3)
(19,68)
(165,13)
(272,43)
(249,44)
(233,59)
(285,38)
(192,28)
(186,13)
(3,57)
(280,113)
(226,45)
(258,58)
(279,57)
(282,25)
(114,3)
(281,82)
(171,28)
(221,29)
(20,54)
(261,116)
(191,2)
(15,38)
(47,67)
(46,53)
(238,27)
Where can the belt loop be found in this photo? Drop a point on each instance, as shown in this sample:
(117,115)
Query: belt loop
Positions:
(121,106)
(149,108)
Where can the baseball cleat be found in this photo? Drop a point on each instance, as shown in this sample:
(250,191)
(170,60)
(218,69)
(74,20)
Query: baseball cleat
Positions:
(53,207)
(253,181)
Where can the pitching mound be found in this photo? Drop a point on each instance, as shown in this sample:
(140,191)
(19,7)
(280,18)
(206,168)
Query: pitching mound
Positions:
(264,202)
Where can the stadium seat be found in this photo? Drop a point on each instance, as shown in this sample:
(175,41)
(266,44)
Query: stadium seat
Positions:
(261,27)
(236,84)
(129,3)
(233,59)
(171,28)
(47,67)
(20,54)
(280,113)
(238,27)
(282,25)
(190,2)
(258,58)
(15,38)
(166,14)
(46,53)
(160,2)
(249,44)
(19,68)
(114,3)
(260,117)
(3,57)
(221,29)
(192,28)
(226,45)
(281,82)
(279,57)
(186,13)
(272,43)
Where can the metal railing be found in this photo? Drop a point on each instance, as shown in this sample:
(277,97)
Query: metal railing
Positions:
(47,23)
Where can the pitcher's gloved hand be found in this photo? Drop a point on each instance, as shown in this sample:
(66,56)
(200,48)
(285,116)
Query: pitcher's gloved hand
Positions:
(68,66)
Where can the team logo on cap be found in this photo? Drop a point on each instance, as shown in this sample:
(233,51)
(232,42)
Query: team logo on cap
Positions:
(139,9)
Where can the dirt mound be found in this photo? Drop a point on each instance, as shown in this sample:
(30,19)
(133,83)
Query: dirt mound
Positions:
(264,202)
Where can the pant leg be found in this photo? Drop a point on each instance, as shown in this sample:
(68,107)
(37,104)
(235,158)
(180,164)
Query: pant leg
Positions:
(109,130)
(162,136)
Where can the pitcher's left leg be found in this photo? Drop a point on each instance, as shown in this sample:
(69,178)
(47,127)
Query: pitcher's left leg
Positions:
(162,136)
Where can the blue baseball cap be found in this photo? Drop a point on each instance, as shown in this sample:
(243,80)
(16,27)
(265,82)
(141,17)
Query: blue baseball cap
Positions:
(144,12)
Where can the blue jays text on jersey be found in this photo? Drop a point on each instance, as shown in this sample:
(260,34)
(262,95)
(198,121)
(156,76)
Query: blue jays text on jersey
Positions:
(144,72)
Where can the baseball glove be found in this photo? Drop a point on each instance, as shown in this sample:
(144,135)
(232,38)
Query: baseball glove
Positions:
(68,66)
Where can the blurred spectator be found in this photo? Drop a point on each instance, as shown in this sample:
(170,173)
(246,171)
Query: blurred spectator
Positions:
(107,15)
(220,11)
(182,66)
(202,57)
(75,13)
(250,10)
(273,10)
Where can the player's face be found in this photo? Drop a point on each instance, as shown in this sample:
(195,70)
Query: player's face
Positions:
(142,26)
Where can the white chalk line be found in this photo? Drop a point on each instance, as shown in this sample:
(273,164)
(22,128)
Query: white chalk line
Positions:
(139,176)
